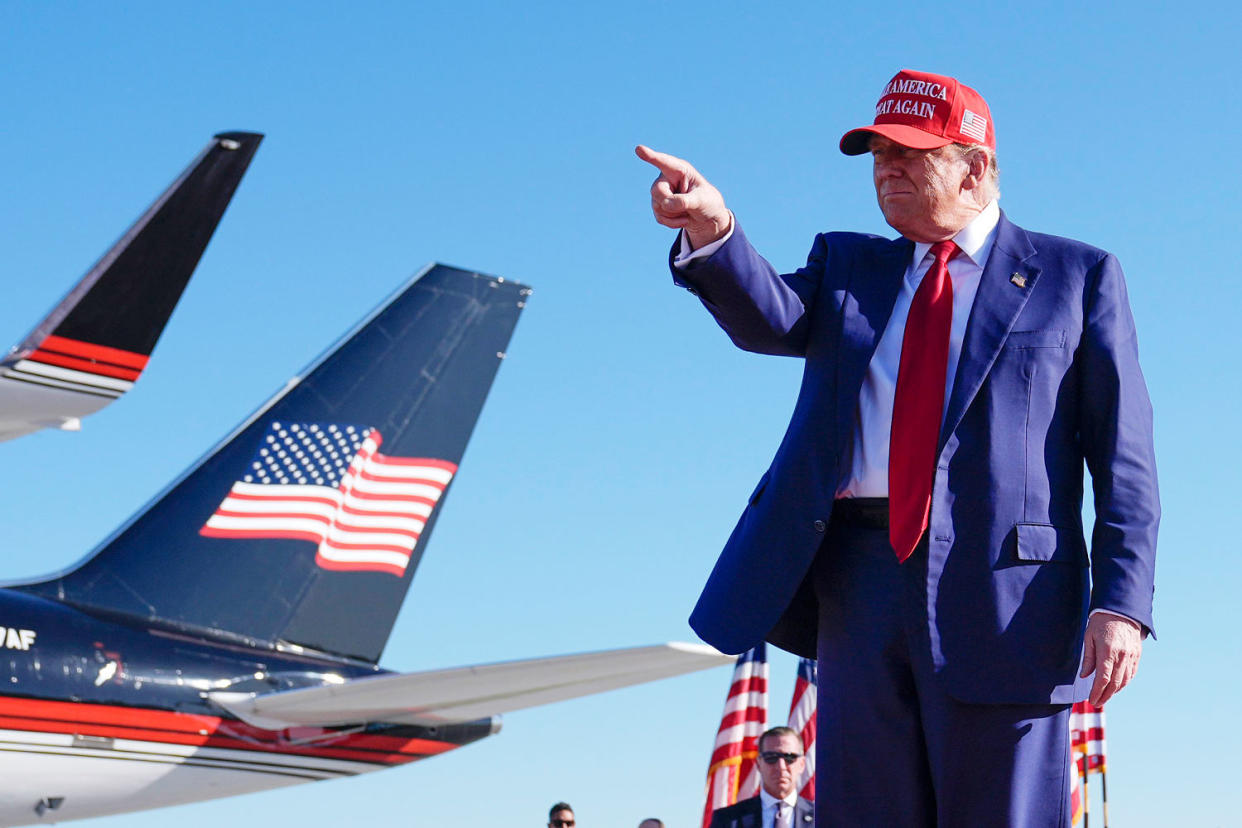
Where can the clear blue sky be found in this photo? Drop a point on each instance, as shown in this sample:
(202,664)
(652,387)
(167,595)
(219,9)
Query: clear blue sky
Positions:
(623,432)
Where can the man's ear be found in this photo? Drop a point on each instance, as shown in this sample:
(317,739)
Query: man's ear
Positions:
(976,169)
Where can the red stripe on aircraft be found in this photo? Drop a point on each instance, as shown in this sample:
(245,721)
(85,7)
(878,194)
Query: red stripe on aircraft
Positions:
(195,730)
(100,353)
(87,365)
(215,532)
(419,461)
(359,566)
(351,510)
(367,547)
(380,477)
(330,523)
(327,501)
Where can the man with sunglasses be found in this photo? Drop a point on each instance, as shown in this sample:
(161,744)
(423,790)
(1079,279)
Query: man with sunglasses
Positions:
(561,815)
(781,762)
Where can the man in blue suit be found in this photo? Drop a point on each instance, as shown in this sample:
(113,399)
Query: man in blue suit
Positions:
(919,530)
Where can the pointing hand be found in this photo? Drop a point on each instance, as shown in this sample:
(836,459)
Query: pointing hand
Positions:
(684,199)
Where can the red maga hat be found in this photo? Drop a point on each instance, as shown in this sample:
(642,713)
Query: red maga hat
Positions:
(925,111)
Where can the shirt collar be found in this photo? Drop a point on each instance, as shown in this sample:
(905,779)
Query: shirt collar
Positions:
(770,801)
(975,239)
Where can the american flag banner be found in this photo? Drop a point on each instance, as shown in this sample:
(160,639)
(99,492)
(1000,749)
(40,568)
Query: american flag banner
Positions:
(328,484)
(1087,737)
(802,719)
(733,773)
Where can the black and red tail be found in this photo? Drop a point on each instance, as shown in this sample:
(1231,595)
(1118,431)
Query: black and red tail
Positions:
(95,343)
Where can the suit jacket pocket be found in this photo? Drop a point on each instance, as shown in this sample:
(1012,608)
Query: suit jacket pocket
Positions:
(1025,340)
(1044,543)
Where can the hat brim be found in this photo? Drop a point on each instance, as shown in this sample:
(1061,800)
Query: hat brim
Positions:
(858,141)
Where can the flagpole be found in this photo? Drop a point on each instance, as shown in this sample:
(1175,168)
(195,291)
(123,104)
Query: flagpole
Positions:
(1086,799)
(1104,791)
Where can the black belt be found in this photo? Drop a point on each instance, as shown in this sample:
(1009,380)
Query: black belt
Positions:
(868,512)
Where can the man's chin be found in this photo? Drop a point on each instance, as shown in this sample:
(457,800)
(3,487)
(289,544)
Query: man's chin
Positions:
(896,221)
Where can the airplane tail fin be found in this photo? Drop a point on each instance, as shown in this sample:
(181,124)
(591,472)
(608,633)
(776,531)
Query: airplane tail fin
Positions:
(303,528)
(95,343)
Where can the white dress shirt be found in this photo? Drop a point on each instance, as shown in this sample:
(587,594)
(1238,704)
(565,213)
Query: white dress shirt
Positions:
(769,807)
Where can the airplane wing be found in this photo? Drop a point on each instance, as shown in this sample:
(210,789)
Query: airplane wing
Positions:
(93,345)
(464,694)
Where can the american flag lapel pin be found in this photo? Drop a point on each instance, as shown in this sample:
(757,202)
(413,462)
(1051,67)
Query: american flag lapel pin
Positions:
(1018,279)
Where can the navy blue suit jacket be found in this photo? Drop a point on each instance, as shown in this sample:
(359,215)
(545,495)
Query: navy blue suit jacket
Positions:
(1048,378)
(749,814)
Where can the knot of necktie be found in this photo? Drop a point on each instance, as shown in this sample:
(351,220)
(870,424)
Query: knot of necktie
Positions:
(943,251)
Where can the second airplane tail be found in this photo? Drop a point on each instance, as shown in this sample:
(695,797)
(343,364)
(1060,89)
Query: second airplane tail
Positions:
(95,343)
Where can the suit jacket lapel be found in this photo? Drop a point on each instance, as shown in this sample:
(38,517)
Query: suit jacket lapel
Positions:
(753,816)
(871,292)
(804,813)
(1005,286)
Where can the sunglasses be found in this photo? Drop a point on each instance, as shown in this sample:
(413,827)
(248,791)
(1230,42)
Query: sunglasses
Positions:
(772,757)
(562,823)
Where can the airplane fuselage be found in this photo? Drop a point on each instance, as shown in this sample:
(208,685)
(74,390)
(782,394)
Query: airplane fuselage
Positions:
(101,716)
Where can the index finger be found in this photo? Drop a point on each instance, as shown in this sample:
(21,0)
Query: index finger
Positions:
(1100,691)
(665,163)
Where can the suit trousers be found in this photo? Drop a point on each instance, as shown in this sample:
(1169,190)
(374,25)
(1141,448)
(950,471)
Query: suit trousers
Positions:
(893,749)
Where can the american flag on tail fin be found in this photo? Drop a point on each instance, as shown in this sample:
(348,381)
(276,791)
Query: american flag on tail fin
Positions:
(328,484)
(734,773)
(802,719)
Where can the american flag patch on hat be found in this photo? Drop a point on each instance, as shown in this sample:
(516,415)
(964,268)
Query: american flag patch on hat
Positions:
(974,126)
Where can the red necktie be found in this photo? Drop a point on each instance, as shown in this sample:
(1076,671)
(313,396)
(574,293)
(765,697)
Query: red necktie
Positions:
(918,403)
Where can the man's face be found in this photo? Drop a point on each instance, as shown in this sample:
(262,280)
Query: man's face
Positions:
(920,191)
(780,779)
(563,818)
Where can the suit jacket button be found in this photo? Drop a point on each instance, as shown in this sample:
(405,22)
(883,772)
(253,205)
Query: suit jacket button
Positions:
(820,526)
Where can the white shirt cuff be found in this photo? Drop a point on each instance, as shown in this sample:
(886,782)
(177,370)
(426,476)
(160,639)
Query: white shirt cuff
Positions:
(685,255)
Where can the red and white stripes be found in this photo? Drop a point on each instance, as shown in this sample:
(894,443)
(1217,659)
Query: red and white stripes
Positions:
(733,773)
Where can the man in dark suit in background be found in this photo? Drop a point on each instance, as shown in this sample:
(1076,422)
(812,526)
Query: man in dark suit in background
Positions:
(920,527)
(778,805)
(561,815)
